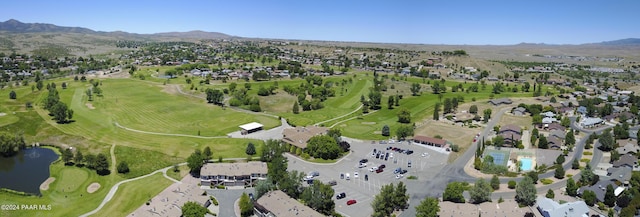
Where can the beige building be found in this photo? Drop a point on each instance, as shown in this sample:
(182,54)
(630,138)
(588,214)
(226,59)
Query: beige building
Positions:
(278,204)
(299,136)
(232,174)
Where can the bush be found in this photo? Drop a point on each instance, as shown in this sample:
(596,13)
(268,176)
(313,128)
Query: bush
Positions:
(455,148)
(412,177)
(213,200)
(587,153)
(512,184)
(546,181)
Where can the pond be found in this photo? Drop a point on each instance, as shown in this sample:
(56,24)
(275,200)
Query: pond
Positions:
(26,170)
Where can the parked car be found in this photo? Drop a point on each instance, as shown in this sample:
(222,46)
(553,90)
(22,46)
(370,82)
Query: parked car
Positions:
(403,171)
(366,177)
(355,175)
(388,148)
(382,166)
(361,165)
(398,176)
(408,152)
(351,202)
(379,170)
(314,173)
(341,175)
(333,182)
(364,161)
(397,170)
(347,176)
(251,196)
(373,169)
(409,163)
(341,195)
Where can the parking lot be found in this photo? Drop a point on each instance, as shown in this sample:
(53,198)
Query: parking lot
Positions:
(425,163)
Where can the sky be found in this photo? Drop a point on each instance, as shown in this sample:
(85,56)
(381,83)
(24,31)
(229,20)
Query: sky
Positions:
(473,22)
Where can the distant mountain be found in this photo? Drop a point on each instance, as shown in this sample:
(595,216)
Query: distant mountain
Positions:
(627,41)
(16,26)
(20,27)
(195,35)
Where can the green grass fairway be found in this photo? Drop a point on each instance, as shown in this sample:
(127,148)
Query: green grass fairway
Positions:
(133,194)
(71,179)
(142,162)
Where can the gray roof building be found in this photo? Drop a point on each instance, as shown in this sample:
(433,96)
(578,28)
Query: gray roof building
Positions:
(550,208)
(278,204)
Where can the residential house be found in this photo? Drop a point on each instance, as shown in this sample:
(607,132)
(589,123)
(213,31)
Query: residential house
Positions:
(627,160)
(299,136)
(500,101)
(232,174)
(591,122)
(620,174)
(511,134)
(520,111)
(554,142)
(599,188)
(430,141)
(627,146)
(278,204)
(582,110)
(554,126)
(548,120)
(557,134)
(549,208)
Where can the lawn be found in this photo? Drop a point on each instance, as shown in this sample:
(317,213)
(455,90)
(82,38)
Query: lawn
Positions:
(70,187)
(183,170)
(132,195)
(142,162)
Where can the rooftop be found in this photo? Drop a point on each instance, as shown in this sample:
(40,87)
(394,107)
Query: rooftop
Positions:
(251,126)
(552,208)
(281,205)
(234,169)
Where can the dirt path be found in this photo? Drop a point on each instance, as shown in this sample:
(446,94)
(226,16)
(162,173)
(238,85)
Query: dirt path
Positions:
(168,134)
(342,116)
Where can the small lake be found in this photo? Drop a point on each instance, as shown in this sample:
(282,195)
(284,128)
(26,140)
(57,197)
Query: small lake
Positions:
(26,170)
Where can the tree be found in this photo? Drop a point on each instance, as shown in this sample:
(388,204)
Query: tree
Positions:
(587,177)
(385,130)
(404,116)
(67,155)
(473,109)
(64,85)
(565,122)
(400,197)
(453,192)
(560,160)
(429,207)
(318,196)
(90,161)
(448,106)
(193,209)
(101,164)
(436,112)
(374,100)
(526,192)
(572,187)
(251,149)
(415,89)
(480,192)
(40,85)
(495,182)
(570,139)
(390,102)
(383,202)
(195,161)
(610,196)
(589,197)
(206,153)
(511,184)
(487,115)
(323,146)
(214,96)
(559,173)
(69,114)
(60,112)
(542,142)
(606,141)
(246,206)
(550,194)
(263,186)
(78,158)
(12,95)
(575,164)
(296,108)
(533,175)
(404,131)
(123,167)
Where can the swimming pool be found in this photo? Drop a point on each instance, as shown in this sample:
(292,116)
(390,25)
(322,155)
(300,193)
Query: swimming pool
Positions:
(527,164)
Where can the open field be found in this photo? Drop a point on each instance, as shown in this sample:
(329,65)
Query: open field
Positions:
(458,135)
(522,121)
(133,194)
(183,171)
(142,162)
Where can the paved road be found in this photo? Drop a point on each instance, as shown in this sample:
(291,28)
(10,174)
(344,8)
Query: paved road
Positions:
(227,198)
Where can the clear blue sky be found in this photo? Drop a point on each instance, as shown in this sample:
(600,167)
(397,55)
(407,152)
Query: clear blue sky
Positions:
(428,22)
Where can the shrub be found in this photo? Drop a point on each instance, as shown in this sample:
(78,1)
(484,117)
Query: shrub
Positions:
(455,148)
(412,177)
(213,200)
(512,184)
(587,153)
(546,181)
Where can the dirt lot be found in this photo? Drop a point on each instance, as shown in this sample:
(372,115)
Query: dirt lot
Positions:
(522,121)
(456,134)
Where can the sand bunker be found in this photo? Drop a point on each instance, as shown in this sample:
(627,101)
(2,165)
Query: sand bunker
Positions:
(368,123)
(45,185)
(90,106)
(93,187)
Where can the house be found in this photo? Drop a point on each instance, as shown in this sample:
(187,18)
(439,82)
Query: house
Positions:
(549,208)
(299,136)
(448,209)
(430,141)
(520,111)
(554,142)
(548,114)
(508,208)
(627,160)
(620,174)
(511,134)
(548,120)
(627,146)
(554,126)
(591,122)
(582,110)
(278,204)
(557,134)
(232,174)
(500,101)
(599,188)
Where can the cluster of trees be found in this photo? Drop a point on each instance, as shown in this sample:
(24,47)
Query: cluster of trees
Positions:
(214,96)
(196,160)
(326,146)
(13,95)
(240,98)
(526,191)
(59,110)
(389,199)
(429,207)
(318,195)
(314,87)
(97,162)
(10,143)
(193,209)
(246,205)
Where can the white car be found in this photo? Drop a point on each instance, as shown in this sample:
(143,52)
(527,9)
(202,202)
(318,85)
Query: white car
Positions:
(391,155)
(425,154)
(398,176)
(355,175)
(373,169)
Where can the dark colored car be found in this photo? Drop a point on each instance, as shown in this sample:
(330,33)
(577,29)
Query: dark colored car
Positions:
(377,156)
(389,147)
(366,177)
(364,161)
(251,196)
(351,202)
(341,195)
(403,171)
(333,182)
(409,152)
(409,164)
(379,170)
(382,166)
